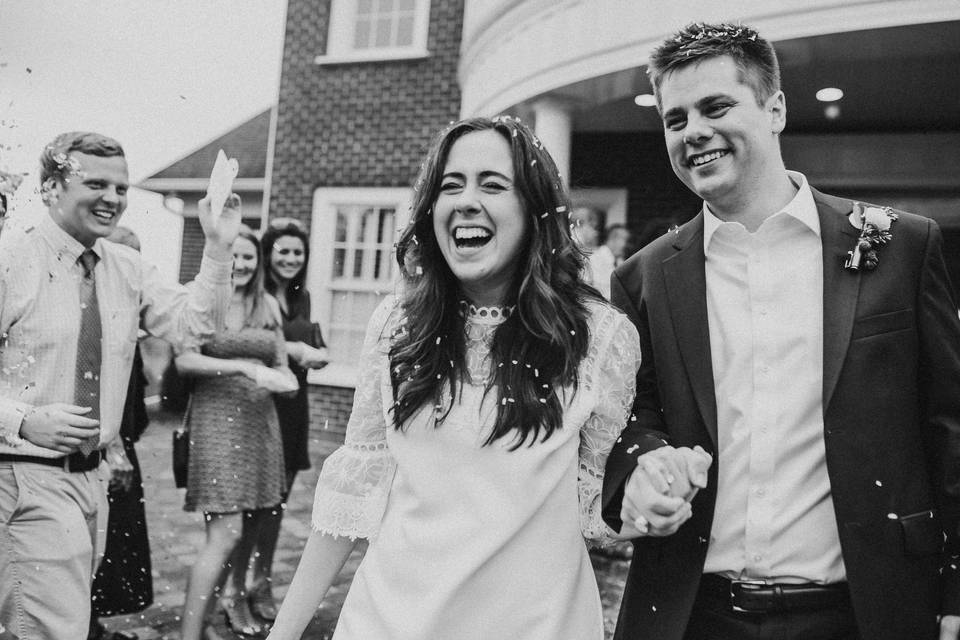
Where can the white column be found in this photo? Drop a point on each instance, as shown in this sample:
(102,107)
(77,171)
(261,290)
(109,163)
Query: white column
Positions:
(553,120)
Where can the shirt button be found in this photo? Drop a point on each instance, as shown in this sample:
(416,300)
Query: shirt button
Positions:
(765,369)
(757,558)
(761,492)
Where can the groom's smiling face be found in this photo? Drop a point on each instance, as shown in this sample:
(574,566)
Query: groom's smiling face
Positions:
(722,142)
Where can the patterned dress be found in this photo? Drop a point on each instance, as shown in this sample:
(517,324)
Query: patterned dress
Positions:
(236,458)
(471,541)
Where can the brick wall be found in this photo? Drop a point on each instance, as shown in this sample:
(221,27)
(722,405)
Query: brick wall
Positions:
(329,412)
(638,161)
(365,124)
(191,250)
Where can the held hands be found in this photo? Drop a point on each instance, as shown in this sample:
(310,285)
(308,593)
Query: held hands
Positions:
(220,232)
(656,500)
(58,426)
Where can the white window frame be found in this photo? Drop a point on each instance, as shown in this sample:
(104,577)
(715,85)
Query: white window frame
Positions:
(320,280)
(340,36)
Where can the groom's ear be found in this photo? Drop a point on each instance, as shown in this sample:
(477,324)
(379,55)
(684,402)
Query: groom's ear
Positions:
(776,106)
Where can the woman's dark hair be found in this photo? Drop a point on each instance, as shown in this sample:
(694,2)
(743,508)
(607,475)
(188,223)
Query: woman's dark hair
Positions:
(276,229)
(256,313)
(537,350)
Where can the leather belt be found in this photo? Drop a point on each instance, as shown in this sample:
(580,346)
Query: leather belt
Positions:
(748,596)
(74,462)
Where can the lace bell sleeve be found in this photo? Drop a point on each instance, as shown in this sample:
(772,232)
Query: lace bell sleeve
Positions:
(355,480)
(616,354)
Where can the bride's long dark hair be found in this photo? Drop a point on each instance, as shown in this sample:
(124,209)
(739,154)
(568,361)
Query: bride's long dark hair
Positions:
(537,350)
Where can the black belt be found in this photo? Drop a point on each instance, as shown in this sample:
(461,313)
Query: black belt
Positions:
(746,596)
(74,462)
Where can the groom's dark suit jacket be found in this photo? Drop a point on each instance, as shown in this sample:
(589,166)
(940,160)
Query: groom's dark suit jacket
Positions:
(891,401)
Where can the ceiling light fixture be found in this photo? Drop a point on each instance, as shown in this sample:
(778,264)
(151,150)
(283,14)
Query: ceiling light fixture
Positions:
(645,100)
(829,94)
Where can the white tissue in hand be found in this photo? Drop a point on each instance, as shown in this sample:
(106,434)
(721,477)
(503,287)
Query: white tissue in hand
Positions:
(221,183)
(275,381)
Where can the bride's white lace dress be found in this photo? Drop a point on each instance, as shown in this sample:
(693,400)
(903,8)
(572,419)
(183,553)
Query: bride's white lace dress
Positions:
(471,541)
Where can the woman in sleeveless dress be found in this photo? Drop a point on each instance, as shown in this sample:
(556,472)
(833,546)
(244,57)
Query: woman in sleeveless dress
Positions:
(492,388)
(236,460)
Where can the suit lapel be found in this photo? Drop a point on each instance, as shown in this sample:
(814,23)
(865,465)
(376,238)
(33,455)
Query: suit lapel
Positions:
(685,281)
(840,286)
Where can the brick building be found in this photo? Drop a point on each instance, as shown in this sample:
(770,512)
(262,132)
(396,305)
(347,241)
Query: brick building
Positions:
(364,85)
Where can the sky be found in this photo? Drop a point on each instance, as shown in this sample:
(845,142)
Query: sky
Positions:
(163,77)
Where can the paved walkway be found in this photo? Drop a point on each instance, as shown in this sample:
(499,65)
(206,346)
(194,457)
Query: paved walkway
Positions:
(175,534)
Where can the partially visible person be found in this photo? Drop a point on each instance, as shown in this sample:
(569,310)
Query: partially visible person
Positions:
(8,186)
(813,343)
(235,473)
(70,308)
(608,257)
(286,252)
(585,228)
(124,582)
(491,389)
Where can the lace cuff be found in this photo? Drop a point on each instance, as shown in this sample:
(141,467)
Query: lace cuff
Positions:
(615,351)
(352,492)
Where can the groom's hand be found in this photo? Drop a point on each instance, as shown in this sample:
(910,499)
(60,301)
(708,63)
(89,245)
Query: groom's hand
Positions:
(949,627)
(648,508)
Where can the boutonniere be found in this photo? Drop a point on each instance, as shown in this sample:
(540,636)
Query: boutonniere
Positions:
(874,225)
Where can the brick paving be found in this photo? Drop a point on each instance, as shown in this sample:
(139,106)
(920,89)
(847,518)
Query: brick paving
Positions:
(175,534)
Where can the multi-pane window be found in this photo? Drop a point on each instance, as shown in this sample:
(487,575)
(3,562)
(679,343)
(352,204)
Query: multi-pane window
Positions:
(361,273)
(376,30)
(384,23)
(352,264)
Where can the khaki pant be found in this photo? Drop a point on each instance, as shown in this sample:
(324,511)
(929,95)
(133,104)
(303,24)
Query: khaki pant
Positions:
(52,531)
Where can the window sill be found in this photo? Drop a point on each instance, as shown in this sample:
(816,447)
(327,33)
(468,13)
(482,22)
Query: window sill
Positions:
(336,374)
(372,55)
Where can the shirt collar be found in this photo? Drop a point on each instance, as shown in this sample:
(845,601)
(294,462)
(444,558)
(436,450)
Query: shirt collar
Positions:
(802,207)
(62,242)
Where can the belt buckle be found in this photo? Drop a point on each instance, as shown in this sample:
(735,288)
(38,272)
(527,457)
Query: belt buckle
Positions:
(743,583)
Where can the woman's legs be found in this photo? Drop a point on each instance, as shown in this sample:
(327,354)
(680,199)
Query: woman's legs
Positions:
(261,592)
(209,570)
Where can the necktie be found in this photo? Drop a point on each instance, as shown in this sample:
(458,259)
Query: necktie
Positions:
(87,387)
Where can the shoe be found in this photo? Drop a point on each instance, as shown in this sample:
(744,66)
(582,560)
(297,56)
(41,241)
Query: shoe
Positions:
(262,603)
(239,618)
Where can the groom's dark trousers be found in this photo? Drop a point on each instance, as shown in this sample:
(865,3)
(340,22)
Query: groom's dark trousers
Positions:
(891,409)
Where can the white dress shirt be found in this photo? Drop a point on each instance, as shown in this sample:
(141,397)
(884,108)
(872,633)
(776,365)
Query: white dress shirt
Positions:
(774,514)
(40,321)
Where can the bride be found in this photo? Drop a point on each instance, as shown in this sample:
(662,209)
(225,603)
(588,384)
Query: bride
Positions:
(492,390)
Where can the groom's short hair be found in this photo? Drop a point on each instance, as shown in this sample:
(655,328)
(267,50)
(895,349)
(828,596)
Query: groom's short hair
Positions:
(755,58)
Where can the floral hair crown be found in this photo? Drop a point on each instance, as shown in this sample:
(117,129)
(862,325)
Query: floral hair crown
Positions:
(693,34)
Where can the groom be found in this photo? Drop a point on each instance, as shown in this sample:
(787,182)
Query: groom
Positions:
(820,368)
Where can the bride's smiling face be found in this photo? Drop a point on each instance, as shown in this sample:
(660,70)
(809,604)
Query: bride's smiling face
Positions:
(478,218)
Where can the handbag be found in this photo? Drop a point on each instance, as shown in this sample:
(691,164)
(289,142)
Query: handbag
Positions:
(181,450)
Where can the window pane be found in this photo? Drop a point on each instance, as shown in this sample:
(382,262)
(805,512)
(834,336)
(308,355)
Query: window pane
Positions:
(383,35)
(358,263)
(364,7)
(406,5)
(340,234)
(339,256)
(361,36)
(386,6)
(362,227)
(405,31)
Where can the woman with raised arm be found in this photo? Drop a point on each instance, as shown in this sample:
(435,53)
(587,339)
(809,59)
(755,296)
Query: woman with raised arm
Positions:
(235,470)
(492,388)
